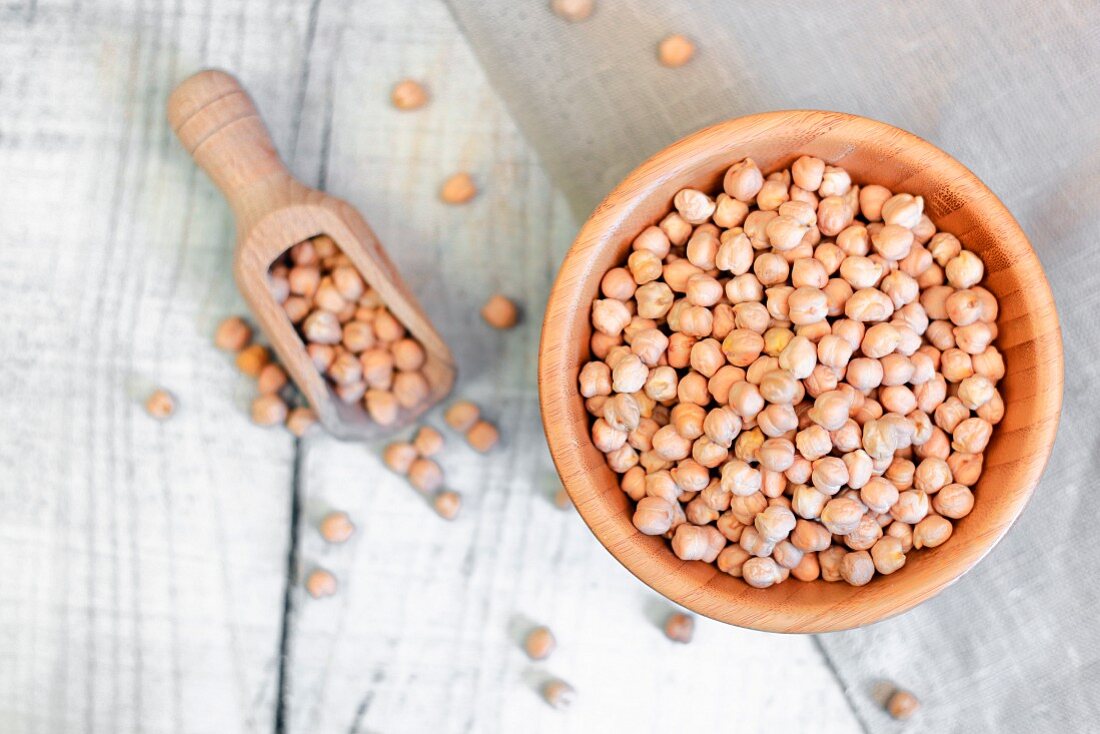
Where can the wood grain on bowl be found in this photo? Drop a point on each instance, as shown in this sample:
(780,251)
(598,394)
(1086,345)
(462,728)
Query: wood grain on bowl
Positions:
(959,203)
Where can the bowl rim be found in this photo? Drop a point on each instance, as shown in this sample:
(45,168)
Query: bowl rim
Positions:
(556,381)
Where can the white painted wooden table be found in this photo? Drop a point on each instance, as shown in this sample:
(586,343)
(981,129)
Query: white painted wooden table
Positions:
(145,565)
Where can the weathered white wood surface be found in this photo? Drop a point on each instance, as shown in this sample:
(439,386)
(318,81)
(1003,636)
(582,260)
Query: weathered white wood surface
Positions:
(144,564)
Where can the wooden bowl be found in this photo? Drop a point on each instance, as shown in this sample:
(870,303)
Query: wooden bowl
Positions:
(957,202)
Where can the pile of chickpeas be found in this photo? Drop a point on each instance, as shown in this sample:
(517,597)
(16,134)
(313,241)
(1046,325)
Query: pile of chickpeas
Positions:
(796,377)
(360,347)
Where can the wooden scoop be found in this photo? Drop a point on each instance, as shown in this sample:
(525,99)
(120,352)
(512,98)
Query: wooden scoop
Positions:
(219,126)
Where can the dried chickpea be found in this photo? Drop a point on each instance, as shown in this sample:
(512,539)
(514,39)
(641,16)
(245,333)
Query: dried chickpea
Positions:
(410,389)
(760,573)
(482,436)
(573,11)
(912,507)
(834,182)
(268,410)
(932,531)
(559,694)
(729,212)
(857,568)
(300,420)
(775,523)
(888,554)
(807,172)
(233,334)
(271,380)
(539,643)
(320,583)
(841,515)
(955,501)
(618,283)
(653,515)
(345,369)
(458,189)
(808,569)
(252,359)
(694,205)
(675,50)
(964,270)
(965,468)
(382,406)
(160,404)
(428,441)
(303,280)
(644,266)
(336,527)
(971,436)
(697,543)
(653,239)
(399,456)
(408,95)
(425,475)
(322,356)
(743,180)
(902,705)
(447,503)
(500,312)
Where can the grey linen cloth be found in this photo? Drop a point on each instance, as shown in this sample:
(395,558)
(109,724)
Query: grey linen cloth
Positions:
(1011,89)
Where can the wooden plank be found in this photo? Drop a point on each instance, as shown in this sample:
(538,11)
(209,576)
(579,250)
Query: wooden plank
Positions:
(143,563)
(424,632)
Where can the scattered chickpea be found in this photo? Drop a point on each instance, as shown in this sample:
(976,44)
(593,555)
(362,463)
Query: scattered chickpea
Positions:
(160,404)
(428,441)
(399,456)
(408,94)
(252,359)
(559,694)
(463,414)
(425,475)
(680,627)
(300,420)
(675,50)
(573,11)
(336,527)
(233,334)
(320,583)
(269,410)
(272,379)
(499,312)
(458,189)
(539,643)
(482,436)
(447,504)
(902,705)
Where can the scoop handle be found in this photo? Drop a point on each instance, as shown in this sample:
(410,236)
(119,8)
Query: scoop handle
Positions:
(218,124)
